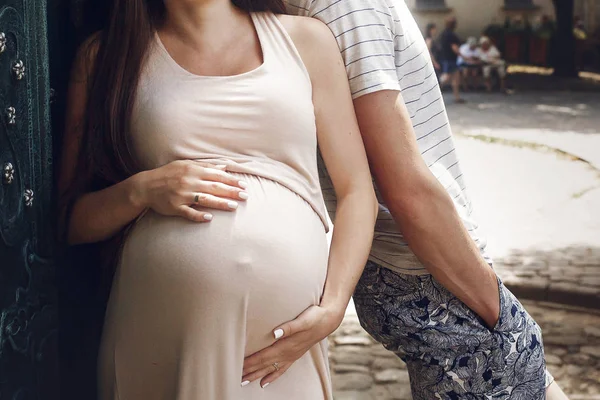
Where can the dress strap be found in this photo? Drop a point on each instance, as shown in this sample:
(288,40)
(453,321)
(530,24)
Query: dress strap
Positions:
(276,42)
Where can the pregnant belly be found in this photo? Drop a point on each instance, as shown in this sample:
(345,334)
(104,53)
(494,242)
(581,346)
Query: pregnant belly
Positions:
(259,266)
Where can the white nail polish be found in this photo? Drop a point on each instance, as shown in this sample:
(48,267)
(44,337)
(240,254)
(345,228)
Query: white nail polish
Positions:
(265,385)
(278,334)
(243,195)
(232,204)
(245,383)
(208,217)
(243,184)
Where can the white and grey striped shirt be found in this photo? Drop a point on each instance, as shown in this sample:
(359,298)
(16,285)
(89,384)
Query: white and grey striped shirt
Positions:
(383,49)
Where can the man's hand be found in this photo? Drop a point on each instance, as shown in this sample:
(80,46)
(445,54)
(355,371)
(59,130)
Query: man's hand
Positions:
(295,338)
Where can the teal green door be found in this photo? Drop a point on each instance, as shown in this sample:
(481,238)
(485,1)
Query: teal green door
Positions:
(28,297)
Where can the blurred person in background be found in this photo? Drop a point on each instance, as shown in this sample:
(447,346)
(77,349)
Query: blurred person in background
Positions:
(469,63)
(492,61)
(432,44)
(449,52)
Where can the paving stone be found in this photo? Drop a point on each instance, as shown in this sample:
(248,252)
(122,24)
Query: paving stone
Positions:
(380,351)
(345,368)
(591,350)
(350,329)
(535,265)
(353,340)
(510,261)
(349,349)
(382,363)
(525,273)
(353,381)
(590,270)
(553,359)
(592,331)
(565,278)
(399,391)
(590,281)
(582,262)
(380,392)
(352,395)
(559,351)
(565,287)
(343,357)
(580,359)
(392,376)
(567,340)
(574,370)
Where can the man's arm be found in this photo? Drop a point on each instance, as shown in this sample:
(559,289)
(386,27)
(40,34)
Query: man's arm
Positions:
(421,207)
(456,49)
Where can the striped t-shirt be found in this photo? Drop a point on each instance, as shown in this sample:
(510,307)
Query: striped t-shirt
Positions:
(383,49)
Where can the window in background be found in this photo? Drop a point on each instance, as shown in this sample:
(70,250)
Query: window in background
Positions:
(431,5)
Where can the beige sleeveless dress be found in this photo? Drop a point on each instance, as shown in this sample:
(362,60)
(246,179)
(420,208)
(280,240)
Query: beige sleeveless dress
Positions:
(190,300)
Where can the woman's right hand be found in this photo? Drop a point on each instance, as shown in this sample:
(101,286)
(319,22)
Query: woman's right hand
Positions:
(177,188)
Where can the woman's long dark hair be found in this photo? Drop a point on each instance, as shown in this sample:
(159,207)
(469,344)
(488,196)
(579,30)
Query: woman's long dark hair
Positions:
(428,30)
(121,53)
(105,156)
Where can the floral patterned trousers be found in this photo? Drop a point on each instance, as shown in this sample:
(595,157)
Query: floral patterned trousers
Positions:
(449,351)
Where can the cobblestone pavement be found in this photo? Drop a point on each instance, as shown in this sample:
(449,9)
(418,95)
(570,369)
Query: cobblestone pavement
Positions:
(364,370)
(533,171)
(566,276)
(532,166)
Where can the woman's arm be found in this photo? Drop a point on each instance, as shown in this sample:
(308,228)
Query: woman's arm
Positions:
(344,155)
(429,42)
(169,190)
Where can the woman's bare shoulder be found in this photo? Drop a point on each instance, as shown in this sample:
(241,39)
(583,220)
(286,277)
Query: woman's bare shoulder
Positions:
(312,38)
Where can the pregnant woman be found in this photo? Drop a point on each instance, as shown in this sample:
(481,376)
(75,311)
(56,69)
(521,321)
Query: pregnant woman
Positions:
(183,106)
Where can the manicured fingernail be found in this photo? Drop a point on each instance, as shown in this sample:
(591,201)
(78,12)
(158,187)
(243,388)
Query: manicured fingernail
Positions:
(278,333)
(232,204)
(265,385)
(243,195)
(245,383)
(243,184)
(208,217)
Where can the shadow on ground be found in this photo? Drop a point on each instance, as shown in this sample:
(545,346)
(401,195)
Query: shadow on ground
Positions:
(549,110)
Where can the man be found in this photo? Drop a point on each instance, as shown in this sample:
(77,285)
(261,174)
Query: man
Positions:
(449,51)
(428,293)
(468,62)
(492,62)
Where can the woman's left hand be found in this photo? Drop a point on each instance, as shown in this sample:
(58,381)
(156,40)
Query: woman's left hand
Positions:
(294,339)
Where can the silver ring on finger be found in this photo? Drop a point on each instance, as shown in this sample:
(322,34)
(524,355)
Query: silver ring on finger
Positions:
(196,198)
(276,366)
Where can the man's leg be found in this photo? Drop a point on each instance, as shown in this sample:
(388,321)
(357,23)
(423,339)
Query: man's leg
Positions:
(487,75)
(456,79)
(446,346)
(501,68)
(465,78)
(445,77)
(474,77)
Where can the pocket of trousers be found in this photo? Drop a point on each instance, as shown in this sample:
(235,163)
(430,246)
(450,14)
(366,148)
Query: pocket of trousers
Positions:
(510,309)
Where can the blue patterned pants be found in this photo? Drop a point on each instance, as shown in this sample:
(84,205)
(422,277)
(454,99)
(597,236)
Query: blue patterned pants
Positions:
(449,351)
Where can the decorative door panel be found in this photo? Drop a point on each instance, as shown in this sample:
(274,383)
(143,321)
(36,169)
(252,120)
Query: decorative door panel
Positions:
(28,314)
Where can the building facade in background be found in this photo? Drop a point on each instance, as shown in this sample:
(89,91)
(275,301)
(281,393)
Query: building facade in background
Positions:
(474,16)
